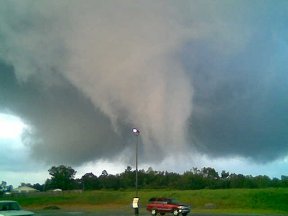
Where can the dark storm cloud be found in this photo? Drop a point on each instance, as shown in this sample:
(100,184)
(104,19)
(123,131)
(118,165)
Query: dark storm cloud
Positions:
(64,125)
(121,73)
(210,75)
(240,119)
(240,99)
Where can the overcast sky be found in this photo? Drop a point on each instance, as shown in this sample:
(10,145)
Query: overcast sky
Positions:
(205,82)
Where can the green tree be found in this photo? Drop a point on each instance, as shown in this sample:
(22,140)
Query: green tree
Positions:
(237,180)
(209,172)
(224,174)
(62,177)
(262,181)
(90,181)
(210,177)
(4,187)
(108,181)
(127,178)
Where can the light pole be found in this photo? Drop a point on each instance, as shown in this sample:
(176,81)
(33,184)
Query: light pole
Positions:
(136,132)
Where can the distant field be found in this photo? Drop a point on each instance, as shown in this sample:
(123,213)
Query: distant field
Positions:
(252,201)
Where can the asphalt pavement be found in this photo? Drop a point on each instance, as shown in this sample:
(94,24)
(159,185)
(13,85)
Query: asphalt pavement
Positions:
(122,213)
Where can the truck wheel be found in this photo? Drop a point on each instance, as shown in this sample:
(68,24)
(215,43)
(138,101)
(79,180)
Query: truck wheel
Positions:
(175,212)
(184,214)
(154,212)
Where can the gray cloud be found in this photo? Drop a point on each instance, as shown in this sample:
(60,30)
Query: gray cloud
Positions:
(64,125)
(201,75)
(240,96)
(80,62)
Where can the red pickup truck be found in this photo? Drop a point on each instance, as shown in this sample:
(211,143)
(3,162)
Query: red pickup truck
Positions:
(167,205)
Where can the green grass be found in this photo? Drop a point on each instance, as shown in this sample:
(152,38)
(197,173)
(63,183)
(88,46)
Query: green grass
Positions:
(253,201)
(231,200)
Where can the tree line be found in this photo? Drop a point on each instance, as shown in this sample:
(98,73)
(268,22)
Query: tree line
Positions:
(63,177)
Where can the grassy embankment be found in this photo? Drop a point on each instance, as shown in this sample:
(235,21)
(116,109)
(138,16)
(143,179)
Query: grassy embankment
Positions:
(254,201)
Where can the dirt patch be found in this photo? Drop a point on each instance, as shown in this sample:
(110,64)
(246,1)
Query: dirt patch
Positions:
(51,208)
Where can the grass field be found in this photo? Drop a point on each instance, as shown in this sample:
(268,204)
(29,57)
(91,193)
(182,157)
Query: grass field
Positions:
(252,201)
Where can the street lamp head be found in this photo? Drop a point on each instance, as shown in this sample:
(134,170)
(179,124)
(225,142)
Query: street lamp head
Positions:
(136,131)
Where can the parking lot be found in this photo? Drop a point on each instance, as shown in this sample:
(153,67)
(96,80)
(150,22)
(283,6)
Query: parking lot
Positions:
(122,213)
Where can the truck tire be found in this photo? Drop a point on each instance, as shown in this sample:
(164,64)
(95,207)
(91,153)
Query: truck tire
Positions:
(153,212)
(175,212)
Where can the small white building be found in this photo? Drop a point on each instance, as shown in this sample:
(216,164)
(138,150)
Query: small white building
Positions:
(24,189)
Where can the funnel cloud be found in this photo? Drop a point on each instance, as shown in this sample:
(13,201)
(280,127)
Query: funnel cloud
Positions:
(200,77)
